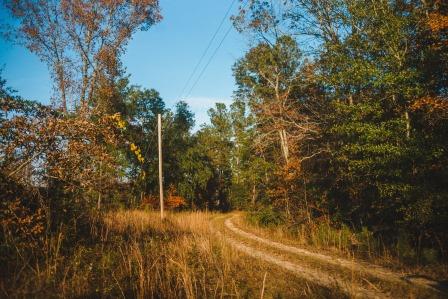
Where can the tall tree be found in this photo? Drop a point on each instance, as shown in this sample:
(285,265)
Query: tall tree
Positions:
(249,169)
(276,81)
(379,68)
(80,41)
(272,78)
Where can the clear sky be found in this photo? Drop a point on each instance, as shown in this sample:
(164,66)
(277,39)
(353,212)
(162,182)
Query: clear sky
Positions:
(162,57)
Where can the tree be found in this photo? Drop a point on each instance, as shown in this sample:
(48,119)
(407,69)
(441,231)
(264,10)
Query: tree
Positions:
(177,142)
(80,41)
(282,96)
(197,174)
(249,169)
(61,166)
(216,138)
(273,79)
(374,93)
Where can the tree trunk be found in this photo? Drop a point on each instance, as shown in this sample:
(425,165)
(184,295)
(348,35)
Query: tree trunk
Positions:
(287,207)
(408,124)
(306,201)
(284,145)
(62,86)
(254,195)
(98,205)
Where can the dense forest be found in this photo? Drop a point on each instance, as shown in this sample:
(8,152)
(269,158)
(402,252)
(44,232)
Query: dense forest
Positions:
(340,116)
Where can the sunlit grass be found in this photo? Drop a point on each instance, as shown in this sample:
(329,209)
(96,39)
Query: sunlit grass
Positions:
(134,254)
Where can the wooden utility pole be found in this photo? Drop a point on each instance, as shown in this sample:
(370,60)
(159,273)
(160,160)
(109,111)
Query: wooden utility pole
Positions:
(159,129)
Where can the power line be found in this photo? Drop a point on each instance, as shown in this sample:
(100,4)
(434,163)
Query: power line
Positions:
(208,62)
(207,48)
(211,57)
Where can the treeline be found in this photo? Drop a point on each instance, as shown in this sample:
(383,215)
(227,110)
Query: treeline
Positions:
(341,111)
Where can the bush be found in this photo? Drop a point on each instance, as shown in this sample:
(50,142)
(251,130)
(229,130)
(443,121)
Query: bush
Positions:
(267,217)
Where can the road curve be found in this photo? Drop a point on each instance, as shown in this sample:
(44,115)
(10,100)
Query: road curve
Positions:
(320,277)
(310,274)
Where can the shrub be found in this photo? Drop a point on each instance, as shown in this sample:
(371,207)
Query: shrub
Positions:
(267,216)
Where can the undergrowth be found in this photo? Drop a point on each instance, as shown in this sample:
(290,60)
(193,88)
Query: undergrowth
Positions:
(322,233)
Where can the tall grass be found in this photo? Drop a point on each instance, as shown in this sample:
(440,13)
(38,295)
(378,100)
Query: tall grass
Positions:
(323,234)
(133,254)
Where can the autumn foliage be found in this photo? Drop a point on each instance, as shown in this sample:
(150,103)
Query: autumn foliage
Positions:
(437,22)
(172,201)
(22,226)
(175,201)
(431,104)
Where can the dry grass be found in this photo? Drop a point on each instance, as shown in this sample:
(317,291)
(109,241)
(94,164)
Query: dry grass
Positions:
(141,222)
(321,236)
(133,254)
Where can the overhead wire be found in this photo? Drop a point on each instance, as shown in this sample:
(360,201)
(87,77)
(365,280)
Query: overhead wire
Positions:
(207,48)
(211,57)
(208,62)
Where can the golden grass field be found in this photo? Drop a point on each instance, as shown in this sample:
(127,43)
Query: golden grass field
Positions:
(133,254)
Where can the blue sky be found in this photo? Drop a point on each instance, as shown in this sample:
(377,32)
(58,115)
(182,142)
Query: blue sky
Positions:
(162,57)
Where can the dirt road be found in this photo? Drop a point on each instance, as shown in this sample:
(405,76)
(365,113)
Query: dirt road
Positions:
(356,279)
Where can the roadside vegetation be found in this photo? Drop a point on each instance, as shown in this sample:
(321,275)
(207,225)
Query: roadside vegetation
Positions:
(323,236)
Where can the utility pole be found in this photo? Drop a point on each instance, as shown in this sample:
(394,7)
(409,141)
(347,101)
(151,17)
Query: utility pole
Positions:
(159,129)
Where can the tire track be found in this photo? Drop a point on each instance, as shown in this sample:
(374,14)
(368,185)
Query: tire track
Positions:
(364,268)
(313,275)
(372,270)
